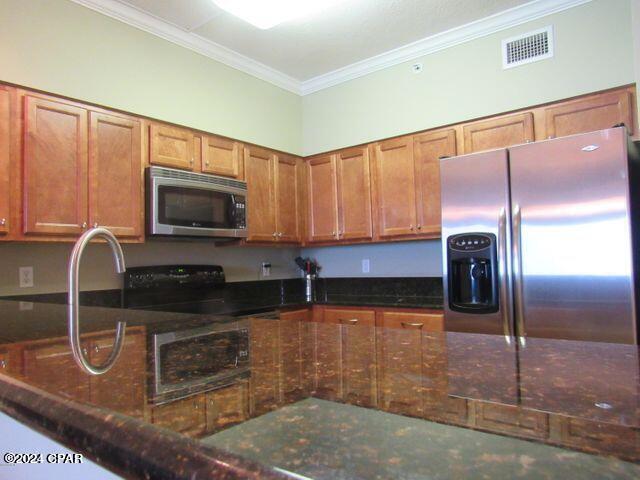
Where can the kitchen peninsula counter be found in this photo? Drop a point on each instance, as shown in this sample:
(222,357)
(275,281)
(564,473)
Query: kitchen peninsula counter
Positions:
(409,403)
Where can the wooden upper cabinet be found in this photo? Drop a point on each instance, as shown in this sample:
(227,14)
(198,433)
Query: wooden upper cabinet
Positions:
(222,157)
(322,198)
(354,194)
(115,174)
(171,146)
(5,163)
(287,198)
(588,114)
(498,132)
(261,210)
(55,167)
(428,149)
(395,187)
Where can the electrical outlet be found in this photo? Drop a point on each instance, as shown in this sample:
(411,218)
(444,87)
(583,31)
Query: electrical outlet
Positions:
(26,277)
(365,265)
(266,269)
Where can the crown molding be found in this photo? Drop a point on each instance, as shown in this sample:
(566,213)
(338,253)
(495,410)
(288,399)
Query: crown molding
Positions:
(449,38)
(163,29)
(455,36)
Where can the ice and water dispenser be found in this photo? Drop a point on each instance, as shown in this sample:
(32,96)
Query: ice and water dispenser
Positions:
(473,273)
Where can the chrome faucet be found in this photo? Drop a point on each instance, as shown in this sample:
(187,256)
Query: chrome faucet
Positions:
(73,315)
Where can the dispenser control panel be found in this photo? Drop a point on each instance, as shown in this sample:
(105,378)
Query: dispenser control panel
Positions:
(469,242)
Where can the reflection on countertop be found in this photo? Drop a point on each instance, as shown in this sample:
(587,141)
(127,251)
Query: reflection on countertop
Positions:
(579,396)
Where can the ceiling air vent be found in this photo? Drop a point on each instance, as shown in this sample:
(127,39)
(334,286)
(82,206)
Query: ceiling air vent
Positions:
(527,48)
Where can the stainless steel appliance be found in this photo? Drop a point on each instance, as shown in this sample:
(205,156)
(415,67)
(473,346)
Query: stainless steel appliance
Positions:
(189,360)
(201,352)
(537,239)
(195,205)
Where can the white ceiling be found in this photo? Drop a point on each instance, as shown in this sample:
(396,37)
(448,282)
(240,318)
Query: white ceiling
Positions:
(342,42)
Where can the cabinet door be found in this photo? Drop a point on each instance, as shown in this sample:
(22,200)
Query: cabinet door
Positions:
(588,114)
(395,187)
(51,367)
(261,215)
(5,165)
(122,388)
(55,167)
(227,406)
(115,174)
(296,355)
(265,372)
(171,147)
(428,148)
(427,322)
(354,194)
(322,193)
(222,157)
(499,132)
(185,416)
(358,360)
(287,198)
(400,368)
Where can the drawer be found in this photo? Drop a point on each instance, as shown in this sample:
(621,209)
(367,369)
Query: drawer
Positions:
(512,420)
(427,322)
(346,316)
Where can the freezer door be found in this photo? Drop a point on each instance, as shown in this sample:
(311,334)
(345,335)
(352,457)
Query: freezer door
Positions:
(572,256)
(475,207)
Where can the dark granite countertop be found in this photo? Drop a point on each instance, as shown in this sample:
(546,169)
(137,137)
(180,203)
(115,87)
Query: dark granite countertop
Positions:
(329,401)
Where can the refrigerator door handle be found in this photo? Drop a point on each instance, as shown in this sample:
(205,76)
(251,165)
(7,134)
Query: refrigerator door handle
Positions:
(504,278)
(518,294)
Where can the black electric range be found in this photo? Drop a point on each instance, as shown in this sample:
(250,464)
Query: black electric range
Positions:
(193,289)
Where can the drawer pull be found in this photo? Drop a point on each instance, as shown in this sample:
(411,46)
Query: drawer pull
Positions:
(412,324)
(351,321)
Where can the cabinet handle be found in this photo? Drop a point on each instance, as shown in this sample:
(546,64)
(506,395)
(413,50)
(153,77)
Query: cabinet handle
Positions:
(3,364)
(275,234)
(191,161)
(419,227)
(333,234)
(412,324)
(351,321)
(340,233)
(96,348)
(84,350)
(84,225)
(411,227)
(206,163)
(279,234)
(3,222)
(95,224)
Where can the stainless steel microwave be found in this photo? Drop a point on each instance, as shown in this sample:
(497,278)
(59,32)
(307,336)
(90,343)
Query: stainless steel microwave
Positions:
(197,359)
(195,205)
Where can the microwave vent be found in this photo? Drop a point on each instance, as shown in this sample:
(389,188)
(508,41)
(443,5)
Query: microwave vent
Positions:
(199,177)
(527,48)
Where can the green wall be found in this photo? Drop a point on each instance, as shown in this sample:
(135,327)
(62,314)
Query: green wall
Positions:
(61,47)
(593,52)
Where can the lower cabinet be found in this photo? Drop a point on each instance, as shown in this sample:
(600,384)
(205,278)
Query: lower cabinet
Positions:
(264,346)
(204,413)
(186,416)
(227,406)
(296,355)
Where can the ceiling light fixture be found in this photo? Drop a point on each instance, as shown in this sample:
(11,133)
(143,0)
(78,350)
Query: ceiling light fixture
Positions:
(265,14)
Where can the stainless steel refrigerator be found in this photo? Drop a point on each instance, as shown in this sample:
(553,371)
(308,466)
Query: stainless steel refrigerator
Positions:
(537,239)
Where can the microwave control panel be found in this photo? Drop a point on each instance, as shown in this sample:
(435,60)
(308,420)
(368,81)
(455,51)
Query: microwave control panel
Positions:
(239,212)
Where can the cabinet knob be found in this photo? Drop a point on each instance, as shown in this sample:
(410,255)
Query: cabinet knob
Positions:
(411,227)
(84,350)
(84,225)
(3,364)
(3,221)
(95,224)
(419,227)
(96,348)
(275,234)
(340,232)
(279,234)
